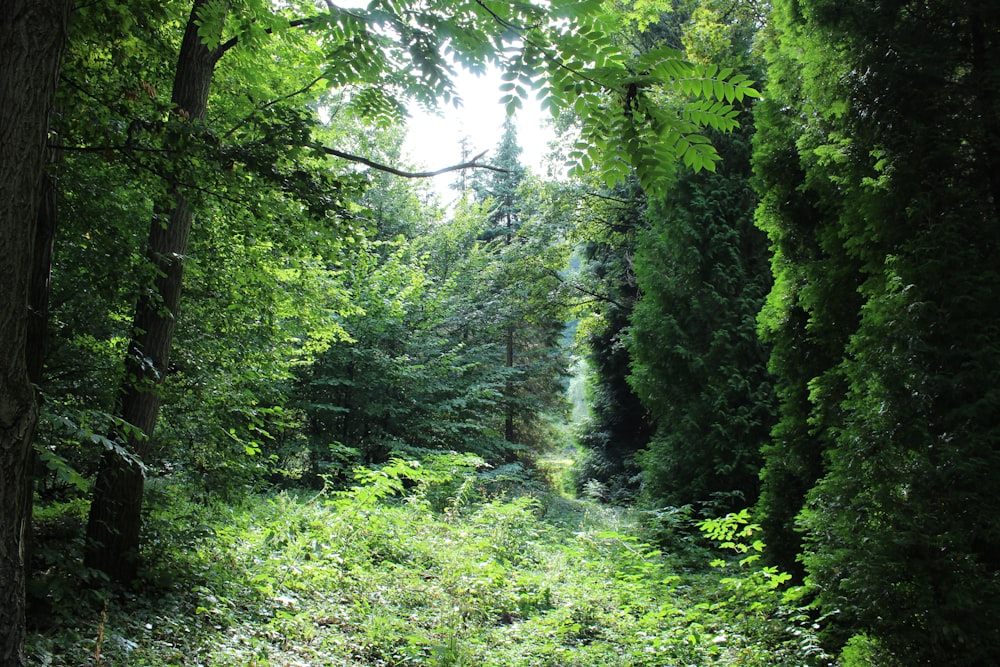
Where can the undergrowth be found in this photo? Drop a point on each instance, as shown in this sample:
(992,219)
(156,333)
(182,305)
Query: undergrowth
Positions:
(428,564)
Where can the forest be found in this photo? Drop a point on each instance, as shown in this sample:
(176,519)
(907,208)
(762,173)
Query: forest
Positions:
(718,385)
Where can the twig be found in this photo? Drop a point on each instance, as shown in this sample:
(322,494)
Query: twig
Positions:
(272,103)
(471,164)
(579,288)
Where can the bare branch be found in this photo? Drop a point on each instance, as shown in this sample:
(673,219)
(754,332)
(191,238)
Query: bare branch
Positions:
(471,164)
(583,290)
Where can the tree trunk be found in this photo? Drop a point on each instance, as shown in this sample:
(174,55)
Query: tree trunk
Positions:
(114,523)
(508,427)
(41,271)
(32,37)
(38,320)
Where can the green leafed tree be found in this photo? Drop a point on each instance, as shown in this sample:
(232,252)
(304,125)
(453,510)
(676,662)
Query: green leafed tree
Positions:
(383,57)
(404,381)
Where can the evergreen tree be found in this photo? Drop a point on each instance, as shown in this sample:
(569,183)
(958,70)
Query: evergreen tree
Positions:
(500,187)
(689,342)
(536,310)
(525,235)
(404,382)
(619,425)
(885,263)
(453,343)
(698,365)
(812,309)
(500,191)
(701,268)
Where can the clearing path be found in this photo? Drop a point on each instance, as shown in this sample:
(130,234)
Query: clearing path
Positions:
(443,576)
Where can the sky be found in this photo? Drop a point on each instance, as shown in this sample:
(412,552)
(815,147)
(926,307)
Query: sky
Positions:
(435,142)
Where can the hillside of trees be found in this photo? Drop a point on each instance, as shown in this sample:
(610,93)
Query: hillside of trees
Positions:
(718,388)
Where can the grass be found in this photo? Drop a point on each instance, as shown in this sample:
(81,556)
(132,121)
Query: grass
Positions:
(415,566)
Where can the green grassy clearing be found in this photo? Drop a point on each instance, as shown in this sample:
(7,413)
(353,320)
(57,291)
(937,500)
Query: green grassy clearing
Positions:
(424,566)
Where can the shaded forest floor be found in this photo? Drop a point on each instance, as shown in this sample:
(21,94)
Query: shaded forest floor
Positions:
(420,566)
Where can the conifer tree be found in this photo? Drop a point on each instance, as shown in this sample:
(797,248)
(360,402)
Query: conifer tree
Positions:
(501,186)
(701,268)
(886,116)
(812,309)
(523,233)
(697,364)
(619,426)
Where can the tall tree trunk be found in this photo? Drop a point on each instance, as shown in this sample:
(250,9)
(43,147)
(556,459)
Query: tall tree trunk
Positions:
(115,520)
(41,270)
(32,37)
(508,427)
(38,320)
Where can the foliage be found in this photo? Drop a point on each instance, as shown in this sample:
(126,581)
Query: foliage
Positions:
(701,270)
(760,593)
(500,188)
(454,341)
(881,203)
(617,94)
(618,426)
(404,381)
(376,576)
(701,388)
(519,294)
(244,150)
(813,306)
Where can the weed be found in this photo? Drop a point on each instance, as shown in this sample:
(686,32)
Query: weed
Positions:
(419,563)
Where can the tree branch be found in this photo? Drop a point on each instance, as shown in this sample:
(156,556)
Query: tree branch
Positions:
(262,107)
(617,200)
(471,164)
(297,23)
(579,288)
(111,148)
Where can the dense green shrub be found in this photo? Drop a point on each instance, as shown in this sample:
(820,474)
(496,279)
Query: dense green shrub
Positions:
(424,563)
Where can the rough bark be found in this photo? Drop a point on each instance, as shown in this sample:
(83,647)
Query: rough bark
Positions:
(38,320)
(41,270)
(113,527)
(32,37)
